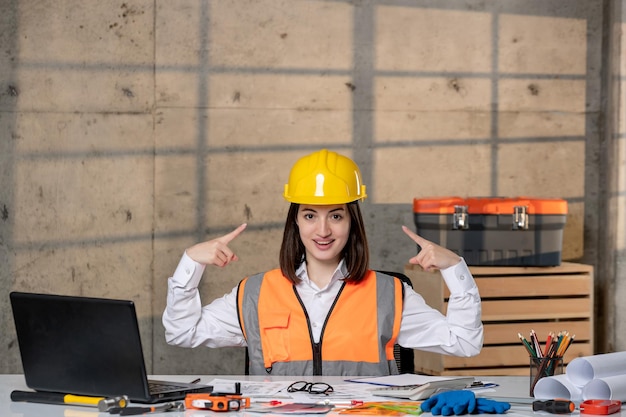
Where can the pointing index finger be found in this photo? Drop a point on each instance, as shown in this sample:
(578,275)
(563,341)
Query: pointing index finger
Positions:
(230,236)
(414,236)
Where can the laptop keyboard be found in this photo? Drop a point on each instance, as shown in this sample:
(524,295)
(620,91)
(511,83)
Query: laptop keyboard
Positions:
(156,387)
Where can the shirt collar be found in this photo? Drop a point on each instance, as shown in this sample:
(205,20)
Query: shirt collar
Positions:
(340,272)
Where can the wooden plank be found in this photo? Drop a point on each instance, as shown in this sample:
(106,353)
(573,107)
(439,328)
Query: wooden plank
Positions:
(506,333)
(506,285)
(564,268)
(530,309)
(532,286)
(492,357)
(565,308)
(506,356)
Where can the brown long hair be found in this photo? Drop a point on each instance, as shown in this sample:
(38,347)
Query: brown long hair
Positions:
(355,253)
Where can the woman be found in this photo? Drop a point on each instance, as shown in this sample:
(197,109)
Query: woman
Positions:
(323,312)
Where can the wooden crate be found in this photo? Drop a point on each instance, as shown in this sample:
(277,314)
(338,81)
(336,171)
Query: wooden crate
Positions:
(514,300)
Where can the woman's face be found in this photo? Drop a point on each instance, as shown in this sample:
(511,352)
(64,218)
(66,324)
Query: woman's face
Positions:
(324,231)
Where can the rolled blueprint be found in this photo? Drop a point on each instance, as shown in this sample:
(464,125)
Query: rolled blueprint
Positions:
(607,388)
(582,370)
(557,386)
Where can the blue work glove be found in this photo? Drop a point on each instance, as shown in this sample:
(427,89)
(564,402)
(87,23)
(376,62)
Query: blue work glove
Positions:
(485,406)
(450,402)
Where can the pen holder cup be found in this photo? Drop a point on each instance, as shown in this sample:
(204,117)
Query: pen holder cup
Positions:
(542,367)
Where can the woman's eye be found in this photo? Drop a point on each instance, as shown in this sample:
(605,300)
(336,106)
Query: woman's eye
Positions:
(308,216)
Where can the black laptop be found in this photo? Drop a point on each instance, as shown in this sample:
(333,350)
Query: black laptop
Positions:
(87,346)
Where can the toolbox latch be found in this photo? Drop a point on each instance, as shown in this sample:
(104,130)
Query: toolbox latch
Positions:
(460,218)
(520,218)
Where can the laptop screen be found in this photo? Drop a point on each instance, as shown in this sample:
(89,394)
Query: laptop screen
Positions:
(80,345)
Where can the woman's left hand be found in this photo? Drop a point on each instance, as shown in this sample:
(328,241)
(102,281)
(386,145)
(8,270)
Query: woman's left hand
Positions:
(432,256)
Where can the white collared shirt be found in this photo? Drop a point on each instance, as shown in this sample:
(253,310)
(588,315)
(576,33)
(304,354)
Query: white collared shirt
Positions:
(460,332)
(318,301)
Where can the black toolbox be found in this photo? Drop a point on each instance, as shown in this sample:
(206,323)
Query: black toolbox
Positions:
(519,231)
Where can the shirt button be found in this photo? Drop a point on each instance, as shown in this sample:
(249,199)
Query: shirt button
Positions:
(314,324)
(187,271)
(462,277)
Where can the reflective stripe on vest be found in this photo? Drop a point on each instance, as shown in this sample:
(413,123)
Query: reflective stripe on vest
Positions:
(357,338)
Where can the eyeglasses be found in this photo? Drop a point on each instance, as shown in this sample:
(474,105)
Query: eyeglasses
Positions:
(310,387)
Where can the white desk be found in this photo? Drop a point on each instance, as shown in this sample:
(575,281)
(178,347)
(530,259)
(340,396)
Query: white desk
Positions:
(509,387)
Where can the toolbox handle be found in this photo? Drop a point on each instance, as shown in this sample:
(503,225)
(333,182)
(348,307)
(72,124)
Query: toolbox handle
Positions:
(520,218)
(459,219)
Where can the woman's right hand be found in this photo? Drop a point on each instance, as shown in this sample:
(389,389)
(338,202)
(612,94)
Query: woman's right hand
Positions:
(216,251)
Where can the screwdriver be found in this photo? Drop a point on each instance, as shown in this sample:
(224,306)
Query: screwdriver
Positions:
(554,406)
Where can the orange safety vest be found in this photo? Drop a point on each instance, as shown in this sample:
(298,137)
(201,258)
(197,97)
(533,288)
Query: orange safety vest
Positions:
(357,339)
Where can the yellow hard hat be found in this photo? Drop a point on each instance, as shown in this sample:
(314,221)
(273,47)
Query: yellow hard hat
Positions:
(324,177)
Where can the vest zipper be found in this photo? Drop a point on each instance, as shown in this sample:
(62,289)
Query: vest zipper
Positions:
(317,358)
(317,347)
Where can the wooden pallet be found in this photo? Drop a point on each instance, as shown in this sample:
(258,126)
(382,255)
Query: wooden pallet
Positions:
(514,300)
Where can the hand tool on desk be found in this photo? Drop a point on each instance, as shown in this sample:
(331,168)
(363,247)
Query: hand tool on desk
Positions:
(216,402)
(107,404)
(554,406)
(133,411)
(601,407)
(102,403)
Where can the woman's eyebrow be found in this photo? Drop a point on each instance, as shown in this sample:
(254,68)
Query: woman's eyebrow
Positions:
(331,211)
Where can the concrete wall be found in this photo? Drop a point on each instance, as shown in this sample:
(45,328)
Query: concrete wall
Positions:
(617,322)
(131,130)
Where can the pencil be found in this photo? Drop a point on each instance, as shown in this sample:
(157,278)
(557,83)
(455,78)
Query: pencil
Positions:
(565,345)
(527,345)
(559,339)
(548,343)
(571,340)
(535,340)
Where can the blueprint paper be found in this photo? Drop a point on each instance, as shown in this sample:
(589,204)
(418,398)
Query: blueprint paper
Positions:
(557,386)
(607,388)
(582,370)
